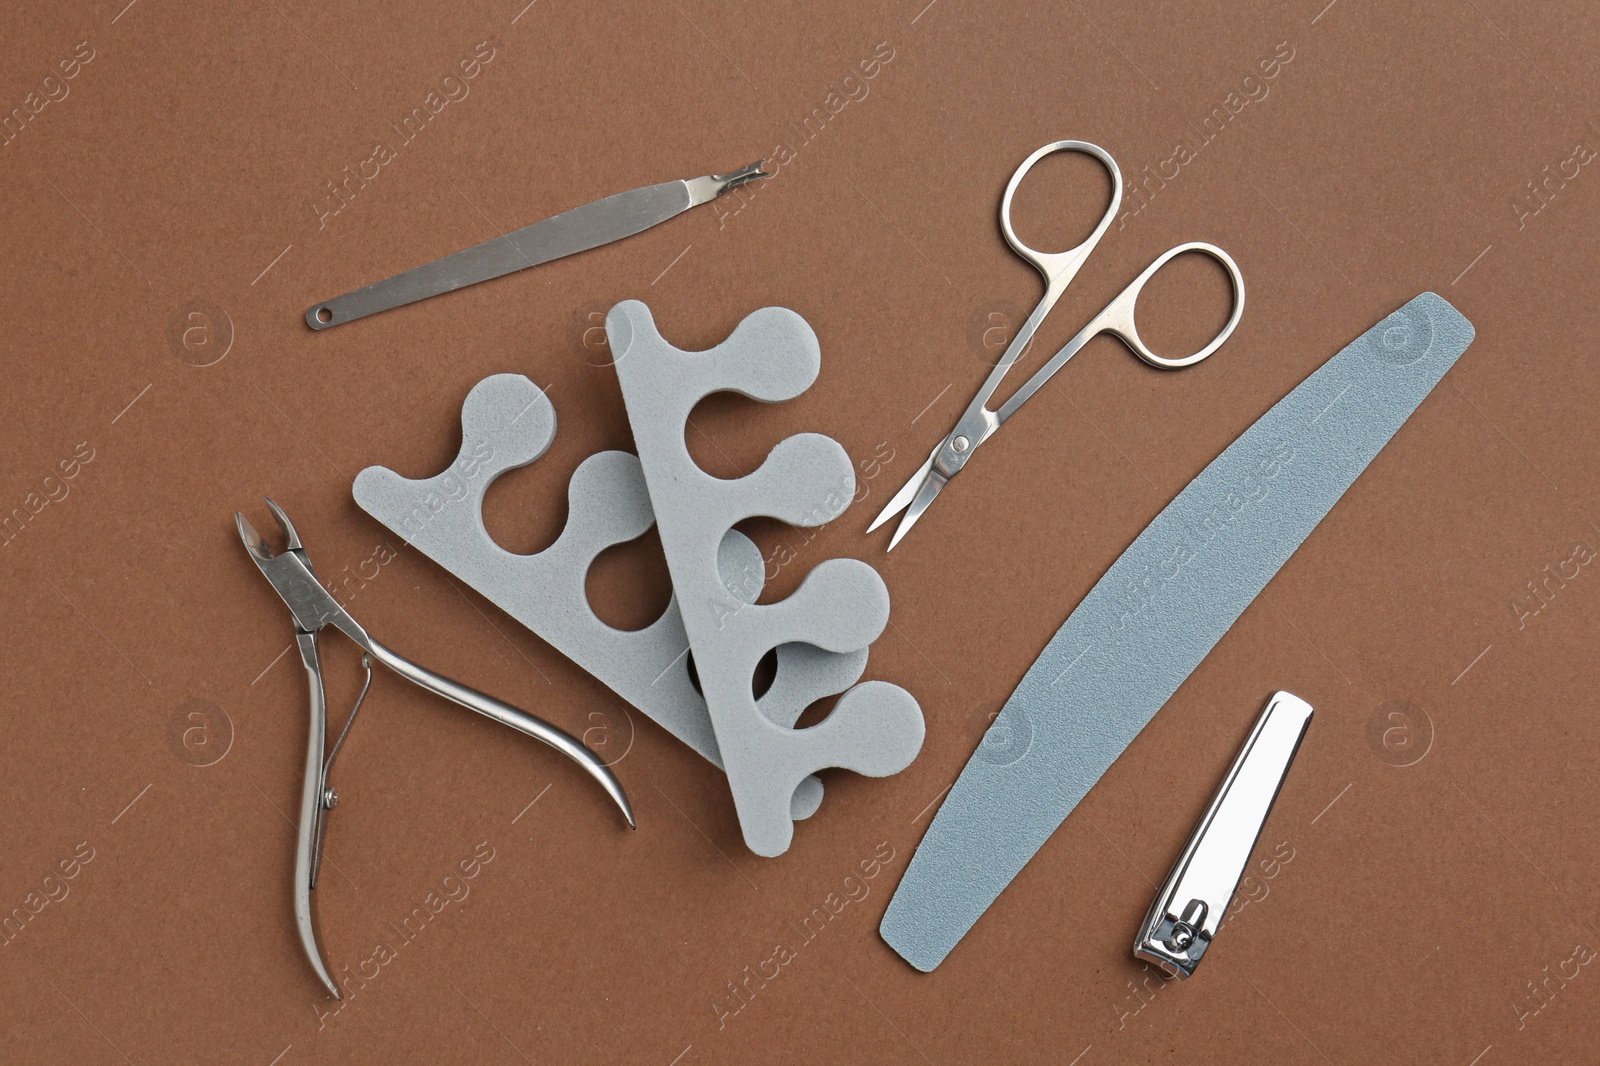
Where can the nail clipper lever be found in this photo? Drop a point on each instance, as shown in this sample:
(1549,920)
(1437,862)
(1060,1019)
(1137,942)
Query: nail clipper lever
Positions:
(1191,905)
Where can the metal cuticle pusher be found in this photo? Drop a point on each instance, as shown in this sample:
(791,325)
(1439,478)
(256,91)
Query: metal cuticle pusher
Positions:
(605,220)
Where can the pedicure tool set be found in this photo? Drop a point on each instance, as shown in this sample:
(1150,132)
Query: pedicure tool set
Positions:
(1119,656)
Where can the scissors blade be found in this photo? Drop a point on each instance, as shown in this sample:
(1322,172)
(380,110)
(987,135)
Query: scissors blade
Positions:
(932,485)
(907,492)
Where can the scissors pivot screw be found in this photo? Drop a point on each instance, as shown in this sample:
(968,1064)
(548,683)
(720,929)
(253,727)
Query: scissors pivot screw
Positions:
(960,444)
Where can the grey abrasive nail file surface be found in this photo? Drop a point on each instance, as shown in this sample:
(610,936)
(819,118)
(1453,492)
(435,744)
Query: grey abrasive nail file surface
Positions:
(875,728)
(506,422)
(1156,614)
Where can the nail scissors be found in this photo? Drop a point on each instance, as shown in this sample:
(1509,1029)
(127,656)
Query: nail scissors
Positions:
(314,608)
(978,423)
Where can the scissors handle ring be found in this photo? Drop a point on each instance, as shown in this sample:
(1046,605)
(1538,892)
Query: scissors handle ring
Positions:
(1050,264)
(1119,316)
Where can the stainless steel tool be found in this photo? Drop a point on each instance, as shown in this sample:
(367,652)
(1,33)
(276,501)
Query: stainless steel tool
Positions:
(1190,907)
(314,608)
(601,222)
(978,423)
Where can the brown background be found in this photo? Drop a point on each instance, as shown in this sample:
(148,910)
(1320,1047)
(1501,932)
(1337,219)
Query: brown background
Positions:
(1421,901)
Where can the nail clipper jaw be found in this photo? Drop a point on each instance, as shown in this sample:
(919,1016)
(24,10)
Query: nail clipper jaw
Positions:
(1175,943)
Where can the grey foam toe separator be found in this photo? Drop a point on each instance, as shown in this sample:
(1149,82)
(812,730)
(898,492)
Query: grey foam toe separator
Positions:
(508,422)
(1157,612)
(842,605)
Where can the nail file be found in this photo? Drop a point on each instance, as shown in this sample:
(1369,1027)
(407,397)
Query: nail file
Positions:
(1156,614)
